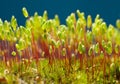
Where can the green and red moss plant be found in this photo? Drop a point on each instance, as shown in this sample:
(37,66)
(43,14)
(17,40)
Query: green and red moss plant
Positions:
(6,49)
(34,48)
(44,46)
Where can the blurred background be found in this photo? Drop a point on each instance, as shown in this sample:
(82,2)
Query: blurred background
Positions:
(109,10)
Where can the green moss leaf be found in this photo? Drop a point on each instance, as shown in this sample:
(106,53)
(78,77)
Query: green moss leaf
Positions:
(45,15)
(25,13)
(81,48)
(96,48)
(14,23)
(89,21)
(13,53)
(118,23)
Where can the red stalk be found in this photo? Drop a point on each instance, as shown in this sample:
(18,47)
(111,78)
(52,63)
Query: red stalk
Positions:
(34,50)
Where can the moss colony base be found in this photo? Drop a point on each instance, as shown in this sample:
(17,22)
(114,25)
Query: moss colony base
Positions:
(45,52)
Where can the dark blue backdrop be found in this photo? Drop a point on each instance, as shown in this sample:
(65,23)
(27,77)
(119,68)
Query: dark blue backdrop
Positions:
(109,10)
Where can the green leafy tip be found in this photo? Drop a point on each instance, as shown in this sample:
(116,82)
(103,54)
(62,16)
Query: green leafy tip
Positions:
(25,13)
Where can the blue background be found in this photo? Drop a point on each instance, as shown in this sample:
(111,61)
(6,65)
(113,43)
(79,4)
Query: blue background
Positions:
(109,10)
